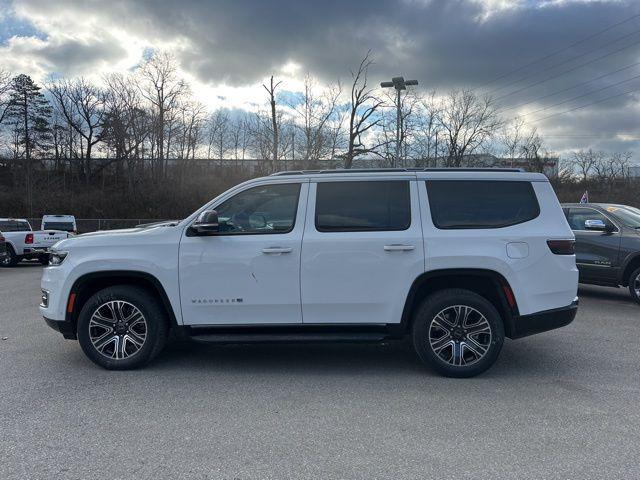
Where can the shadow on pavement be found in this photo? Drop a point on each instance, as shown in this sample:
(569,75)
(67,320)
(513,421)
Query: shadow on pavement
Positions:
(605,293)
(522,358)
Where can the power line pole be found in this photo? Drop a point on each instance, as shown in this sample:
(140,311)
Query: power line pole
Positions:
(399,83)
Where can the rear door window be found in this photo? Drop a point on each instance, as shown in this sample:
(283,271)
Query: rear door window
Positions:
(363,206)
(65,226)
(467,204)
(14,226)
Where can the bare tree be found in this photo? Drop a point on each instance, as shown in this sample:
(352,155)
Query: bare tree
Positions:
(533,151)
(191,117)
(316,112)
(160,85)
(271,90)
(585,161)
(5,90)
(511,137)
(239,137)
(410,125)
(427,143)
(127,124)
(362,112)
(468,123)
(218,133)
(82,105)
(612,167)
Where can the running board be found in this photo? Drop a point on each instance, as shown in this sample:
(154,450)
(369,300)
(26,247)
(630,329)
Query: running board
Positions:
(289,337)
(289,334)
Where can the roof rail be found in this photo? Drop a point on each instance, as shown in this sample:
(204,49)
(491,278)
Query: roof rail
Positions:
(392,170)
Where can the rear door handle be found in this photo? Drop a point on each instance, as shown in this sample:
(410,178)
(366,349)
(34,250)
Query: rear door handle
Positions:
(277,250)
(396,247)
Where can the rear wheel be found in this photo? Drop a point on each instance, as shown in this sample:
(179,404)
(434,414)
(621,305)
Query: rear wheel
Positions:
(458,332)
(122,327)
(10,259)
(634,285)
(44,260)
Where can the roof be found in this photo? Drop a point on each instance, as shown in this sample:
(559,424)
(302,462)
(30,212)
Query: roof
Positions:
(392,170)
(421,173)
(599,205)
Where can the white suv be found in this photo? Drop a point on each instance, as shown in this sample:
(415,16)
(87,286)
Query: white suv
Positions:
(458,259)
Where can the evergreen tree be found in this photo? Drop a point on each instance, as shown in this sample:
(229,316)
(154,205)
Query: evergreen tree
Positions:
(29,112)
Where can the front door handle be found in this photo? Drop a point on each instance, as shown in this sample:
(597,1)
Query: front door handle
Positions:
(277,250)
(396,247)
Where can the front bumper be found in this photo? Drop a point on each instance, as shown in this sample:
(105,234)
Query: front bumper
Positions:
(63,326)
(525,325)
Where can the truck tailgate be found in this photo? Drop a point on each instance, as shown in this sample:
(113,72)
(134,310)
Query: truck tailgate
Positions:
(47,238)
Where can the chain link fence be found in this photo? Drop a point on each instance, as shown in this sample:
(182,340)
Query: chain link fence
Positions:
(85,225)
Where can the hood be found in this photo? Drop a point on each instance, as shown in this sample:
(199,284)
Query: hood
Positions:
(124,236)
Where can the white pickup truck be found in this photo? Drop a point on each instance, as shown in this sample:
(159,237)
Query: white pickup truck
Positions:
(23,243)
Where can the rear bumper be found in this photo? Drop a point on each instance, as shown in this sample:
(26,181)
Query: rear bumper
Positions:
(35,252)
(525,325)
(63,326)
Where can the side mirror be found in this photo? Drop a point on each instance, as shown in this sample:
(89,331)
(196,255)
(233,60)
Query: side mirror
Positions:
(596,225)
(206,224)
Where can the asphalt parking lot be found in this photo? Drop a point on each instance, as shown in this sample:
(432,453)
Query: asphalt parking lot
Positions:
(564,404)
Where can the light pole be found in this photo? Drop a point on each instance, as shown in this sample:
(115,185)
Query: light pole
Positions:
(399,83)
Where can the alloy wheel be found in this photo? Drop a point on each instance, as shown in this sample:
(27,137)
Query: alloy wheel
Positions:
(117,329)
(636,285)
(460,335)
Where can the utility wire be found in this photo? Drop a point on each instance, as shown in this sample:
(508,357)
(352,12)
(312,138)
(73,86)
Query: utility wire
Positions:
(564,62)
(568,47)
(567,71)
(580,96)
(584,106)
(569,88)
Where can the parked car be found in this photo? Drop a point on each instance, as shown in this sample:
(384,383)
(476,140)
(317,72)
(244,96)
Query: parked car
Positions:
(607,244)
(456,259)
(3,248)
(65,223)
(25,244)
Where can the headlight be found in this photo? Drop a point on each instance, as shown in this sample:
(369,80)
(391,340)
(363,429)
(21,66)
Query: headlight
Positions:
(56,258)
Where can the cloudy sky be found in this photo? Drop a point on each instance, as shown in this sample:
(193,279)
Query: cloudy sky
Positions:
(538,59)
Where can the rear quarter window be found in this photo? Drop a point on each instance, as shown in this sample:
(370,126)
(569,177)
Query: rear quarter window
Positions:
(469,204)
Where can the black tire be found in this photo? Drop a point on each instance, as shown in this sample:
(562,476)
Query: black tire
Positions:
(155,329)
(44,260)
(460,354)
(11,259)
(634,285)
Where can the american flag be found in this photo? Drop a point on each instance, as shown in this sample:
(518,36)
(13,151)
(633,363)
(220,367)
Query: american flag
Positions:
(585,197)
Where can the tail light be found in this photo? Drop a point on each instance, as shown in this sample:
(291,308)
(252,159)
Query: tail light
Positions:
(562,247)
(1,238)
(28,238)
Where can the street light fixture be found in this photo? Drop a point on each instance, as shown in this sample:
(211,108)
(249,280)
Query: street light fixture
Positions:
(399,83)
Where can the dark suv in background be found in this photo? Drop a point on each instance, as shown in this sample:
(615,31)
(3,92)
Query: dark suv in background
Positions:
(3,247)
(607,244)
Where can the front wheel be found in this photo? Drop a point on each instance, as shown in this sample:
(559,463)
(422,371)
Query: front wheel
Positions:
(634,285)
(122,327)
(458,332)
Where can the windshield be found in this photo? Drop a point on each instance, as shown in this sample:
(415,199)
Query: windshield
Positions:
(630,216)
(66,226)
(14,226)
